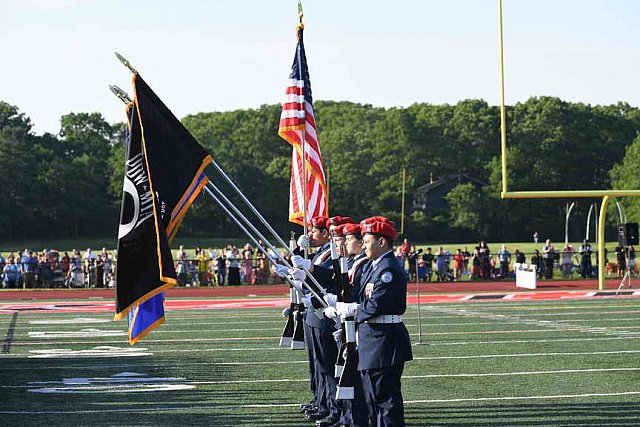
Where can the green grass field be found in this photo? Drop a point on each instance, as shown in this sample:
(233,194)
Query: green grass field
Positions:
(549,363)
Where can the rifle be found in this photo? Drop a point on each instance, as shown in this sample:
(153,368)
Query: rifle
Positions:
(348,352)
(296,310)
(287,333)
(341,279)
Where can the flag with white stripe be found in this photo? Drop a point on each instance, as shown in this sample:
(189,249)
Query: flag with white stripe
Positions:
(297,124)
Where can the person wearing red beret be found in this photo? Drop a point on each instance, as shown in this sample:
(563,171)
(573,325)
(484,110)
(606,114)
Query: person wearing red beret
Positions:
(321,347)
(354,411)
(383,340)
(326,349)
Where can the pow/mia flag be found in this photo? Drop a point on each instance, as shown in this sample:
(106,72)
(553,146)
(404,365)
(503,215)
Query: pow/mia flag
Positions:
(164,173)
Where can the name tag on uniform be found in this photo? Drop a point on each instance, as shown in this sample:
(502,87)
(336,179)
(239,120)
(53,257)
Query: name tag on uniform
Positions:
(368,290)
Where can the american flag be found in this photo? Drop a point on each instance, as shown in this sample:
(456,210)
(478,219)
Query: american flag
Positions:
(297,120)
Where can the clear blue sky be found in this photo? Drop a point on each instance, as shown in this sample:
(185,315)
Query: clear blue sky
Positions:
(57,55)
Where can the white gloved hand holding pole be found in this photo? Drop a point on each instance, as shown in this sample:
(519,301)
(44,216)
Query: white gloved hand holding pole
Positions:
(286,312)
(346,309)
(297,284)
(301,262)
(330,299)
(281,270)
(297,274)
(303,242)
(330,312)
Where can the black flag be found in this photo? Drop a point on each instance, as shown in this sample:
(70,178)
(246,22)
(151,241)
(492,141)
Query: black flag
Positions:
(164,173)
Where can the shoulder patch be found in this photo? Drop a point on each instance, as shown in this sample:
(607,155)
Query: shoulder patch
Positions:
(387,277)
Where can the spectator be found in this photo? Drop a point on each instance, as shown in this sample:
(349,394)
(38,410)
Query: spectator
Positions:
(233,266)
(537,260)
(458,265)
(466,256)
(535,237)
(75,277)
(400,258)
(45,274)
(504,257)
(202,268)
(65,263)
(2,262)
(10,274)
(99,271)
(585,259)
(412,263)
(484,255)
(89,262)
(221,270)
(28,268)
(621,257)
(548,255)
(476,269)
(442,257)
(107,269)
(262,271)
(632,260)
(405,247)
(427,260)
(182,266)
(193,273)
(567,260)
(247,265)
(520,258)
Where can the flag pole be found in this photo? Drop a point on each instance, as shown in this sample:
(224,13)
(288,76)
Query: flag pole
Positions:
(305,227)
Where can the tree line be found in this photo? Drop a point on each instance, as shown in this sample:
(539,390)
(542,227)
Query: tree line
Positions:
(69,184)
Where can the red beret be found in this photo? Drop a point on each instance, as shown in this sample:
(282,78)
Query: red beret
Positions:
(380,226)
(320,222)
(338,230)
(339,220)
(378,219)
(352,229)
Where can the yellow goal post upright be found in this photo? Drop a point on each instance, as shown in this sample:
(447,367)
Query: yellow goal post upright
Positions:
(506,194)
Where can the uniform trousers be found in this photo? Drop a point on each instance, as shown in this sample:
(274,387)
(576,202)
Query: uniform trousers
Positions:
(383,394)
(312,369)
(354,412)
(326,353)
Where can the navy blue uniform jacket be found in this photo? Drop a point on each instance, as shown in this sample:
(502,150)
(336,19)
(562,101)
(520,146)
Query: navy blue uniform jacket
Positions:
(382,344)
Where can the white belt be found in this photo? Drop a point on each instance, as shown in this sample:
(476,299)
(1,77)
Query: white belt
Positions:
(386,318)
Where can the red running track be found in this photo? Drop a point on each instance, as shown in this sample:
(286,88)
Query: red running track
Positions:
(283,290)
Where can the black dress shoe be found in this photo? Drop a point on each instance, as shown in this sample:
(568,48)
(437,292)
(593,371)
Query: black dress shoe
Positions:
(318,415)
(328,421)
(308,407)
(310,403)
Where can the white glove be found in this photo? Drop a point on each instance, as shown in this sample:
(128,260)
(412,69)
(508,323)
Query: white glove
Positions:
(330,312)
(286,312)
(330,299)
(300,262)
(297,284)
(346,309)
(281,270)
(306,300)
(337,335)
(303,242)
(297,274)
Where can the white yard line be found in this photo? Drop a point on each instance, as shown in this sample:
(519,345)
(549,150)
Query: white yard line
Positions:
(295,405)
(287,362)
(558,326)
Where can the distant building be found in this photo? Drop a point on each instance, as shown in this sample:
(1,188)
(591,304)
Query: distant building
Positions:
(430,197)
